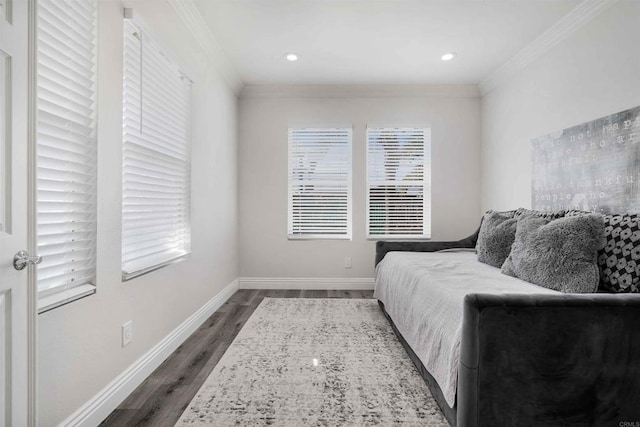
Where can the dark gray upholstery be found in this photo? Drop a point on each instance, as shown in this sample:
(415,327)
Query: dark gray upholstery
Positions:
(540,360)
(549,360)
(382,247)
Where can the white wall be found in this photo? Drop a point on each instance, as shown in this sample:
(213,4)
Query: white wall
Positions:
(593,73)
(263,123)
(79,344)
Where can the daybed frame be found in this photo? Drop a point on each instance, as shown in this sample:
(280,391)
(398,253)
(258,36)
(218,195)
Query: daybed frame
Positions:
(540,360)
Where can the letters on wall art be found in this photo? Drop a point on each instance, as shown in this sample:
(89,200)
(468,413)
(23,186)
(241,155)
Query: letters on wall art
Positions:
(594,166)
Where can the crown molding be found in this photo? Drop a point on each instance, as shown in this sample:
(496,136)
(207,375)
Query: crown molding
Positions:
(193,20)
(360,91)
(584,13)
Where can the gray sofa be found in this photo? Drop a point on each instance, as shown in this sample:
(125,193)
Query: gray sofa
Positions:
(539,360)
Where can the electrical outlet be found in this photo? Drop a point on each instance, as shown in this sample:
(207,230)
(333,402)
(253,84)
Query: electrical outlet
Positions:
(127,333)
(347,263)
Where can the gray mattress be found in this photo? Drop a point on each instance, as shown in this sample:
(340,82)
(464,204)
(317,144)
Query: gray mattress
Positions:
(423,292)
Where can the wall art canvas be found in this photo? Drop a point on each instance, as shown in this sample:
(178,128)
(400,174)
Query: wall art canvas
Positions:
(594,166)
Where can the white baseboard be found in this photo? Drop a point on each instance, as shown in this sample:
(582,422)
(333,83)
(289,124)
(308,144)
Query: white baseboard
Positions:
(328,283)
(102,404)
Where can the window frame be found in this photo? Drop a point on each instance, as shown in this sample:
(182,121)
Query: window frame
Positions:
(185,252)
(426,189)
(54,297)
(349,183)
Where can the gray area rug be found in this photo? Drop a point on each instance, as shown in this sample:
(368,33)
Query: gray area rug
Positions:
(319,362)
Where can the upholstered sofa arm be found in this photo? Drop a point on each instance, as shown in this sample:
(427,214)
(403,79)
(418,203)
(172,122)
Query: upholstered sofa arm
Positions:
(382,247)
(565,359)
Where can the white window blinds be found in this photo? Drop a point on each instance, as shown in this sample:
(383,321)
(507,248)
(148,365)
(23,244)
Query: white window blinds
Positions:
(66,143)
(156,193)
(398,182)
(320,183)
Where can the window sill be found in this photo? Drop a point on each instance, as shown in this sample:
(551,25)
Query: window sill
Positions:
(318,237)
(126,275)
(65,297)
(399,238)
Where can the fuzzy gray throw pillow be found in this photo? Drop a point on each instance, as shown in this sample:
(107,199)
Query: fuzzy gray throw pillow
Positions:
(558,254)
(497,232)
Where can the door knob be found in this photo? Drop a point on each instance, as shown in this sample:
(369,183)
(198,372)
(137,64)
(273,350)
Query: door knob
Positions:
(22,259)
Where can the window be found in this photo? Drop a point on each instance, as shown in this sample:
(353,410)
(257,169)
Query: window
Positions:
(398,183)
(66,55)
(156,191)
(320,183)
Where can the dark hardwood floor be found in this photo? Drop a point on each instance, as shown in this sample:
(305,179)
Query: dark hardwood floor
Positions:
(160,399)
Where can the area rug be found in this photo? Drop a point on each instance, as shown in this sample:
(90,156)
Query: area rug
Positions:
(314,362)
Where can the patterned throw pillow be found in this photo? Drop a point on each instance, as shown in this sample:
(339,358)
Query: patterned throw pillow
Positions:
(619,261)
(576,212)
(522,212)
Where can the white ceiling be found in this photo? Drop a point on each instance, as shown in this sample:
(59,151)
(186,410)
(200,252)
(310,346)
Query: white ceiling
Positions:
(375,41)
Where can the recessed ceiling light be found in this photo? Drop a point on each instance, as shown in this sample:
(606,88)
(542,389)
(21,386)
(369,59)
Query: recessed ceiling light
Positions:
(448,56)
(291,57)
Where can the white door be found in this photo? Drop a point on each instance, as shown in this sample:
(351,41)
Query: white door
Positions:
(17,300)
